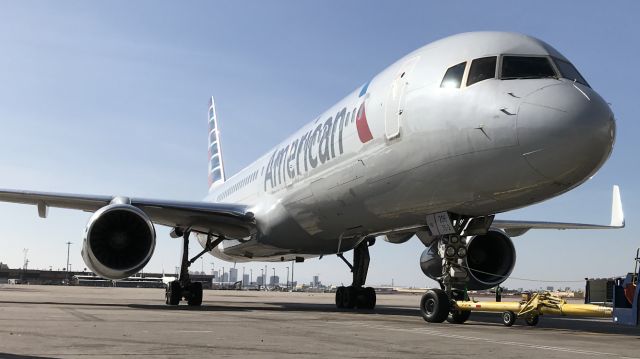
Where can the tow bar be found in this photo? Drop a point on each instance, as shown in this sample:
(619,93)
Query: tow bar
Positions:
(624,309)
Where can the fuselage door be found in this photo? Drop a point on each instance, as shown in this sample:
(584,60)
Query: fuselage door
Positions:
(394,104)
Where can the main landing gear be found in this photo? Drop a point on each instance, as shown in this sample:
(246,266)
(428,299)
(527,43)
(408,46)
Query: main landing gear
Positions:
(184,287)
(356,295)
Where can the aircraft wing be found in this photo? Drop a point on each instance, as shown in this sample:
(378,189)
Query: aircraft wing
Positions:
(517,228)
(232,220)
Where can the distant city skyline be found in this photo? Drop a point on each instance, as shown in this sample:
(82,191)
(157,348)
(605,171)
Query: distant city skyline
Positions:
(111,98)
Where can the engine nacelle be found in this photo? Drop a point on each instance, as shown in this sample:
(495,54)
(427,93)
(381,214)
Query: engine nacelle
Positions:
(490,259)
(431,262)
(397,238)
(119,241)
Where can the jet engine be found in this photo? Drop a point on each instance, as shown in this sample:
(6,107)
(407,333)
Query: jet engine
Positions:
(119,241)
(490,259)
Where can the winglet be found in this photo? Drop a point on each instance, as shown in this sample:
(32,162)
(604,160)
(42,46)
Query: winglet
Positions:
(617,215)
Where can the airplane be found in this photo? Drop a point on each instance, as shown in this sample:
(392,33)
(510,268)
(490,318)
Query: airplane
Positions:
(435,146)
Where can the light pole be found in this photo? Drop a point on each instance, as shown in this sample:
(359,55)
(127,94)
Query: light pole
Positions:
(287,277)
(25,261)
(250,276)
(243,283)
(293,262)
(274,276)
(68,248)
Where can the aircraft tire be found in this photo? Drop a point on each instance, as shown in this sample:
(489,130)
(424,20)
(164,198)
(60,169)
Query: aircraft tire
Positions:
(195,294)
(173,293)
(458,316)
(434,306)
(349,298)
(339,296)
(366,298)
(369,296)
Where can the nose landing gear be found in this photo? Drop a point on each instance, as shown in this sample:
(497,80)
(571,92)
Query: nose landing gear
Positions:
(438,305)
(434,306)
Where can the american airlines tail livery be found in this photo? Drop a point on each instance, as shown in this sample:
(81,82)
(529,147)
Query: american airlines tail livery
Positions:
(435,145)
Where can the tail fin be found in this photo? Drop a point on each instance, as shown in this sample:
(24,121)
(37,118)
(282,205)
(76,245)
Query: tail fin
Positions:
(216,165)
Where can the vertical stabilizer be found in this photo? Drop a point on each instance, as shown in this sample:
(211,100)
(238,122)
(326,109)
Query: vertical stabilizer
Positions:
(216,165)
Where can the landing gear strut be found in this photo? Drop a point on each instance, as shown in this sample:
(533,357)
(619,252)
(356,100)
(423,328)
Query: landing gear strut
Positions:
(356,295)
(438,305)
(184,287)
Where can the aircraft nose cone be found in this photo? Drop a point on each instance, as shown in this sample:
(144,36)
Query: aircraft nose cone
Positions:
(566,132)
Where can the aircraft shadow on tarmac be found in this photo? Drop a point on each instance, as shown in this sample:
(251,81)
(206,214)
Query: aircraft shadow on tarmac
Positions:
(17,356)
(477,320)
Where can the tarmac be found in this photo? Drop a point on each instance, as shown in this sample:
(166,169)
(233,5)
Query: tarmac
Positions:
(89,322)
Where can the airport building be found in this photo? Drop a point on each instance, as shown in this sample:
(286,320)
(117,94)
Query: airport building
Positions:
(52,277)
(233,275)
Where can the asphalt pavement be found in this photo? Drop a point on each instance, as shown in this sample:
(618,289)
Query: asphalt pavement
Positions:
(87,322)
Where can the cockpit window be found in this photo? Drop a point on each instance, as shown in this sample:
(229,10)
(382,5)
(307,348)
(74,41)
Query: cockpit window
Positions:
(453,76)
(526,67)
(482,69)
(568,71)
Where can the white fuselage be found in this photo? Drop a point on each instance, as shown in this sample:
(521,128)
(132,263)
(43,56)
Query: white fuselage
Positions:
(402,147)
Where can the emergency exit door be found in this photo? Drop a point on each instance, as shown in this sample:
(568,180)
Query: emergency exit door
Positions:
(394,104)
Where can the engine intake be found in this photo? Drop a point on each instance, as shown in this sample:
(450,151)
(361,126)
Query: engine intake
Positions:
(119,241)
(490,260)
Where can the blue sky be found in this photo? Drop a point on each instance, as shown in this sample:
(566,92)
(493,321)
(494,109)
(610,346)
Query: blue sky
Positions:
(110,98)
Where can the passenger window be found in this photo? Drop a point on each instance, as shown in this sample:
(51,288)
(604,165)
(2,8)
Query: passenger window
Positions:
(568,71)
(453,76)
(526,67)
(482,69)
